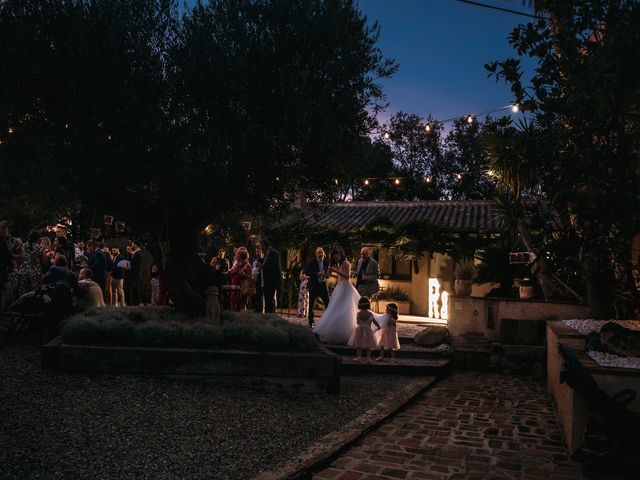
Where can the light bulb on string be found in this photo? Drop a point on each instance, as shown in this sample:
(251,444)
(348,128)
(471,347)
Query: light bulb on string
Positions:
(66,125)
(386,135)
(109,137)
(469,119)
(491,173)
(427,128)
(10,130)
(397,181)
(515,108)
(459,176)
(366,181)
(336,181)
(427,179)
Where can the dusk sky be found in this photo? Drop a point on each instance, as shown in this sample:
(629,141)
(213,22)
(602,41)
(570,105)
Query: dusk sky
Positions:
(441,47)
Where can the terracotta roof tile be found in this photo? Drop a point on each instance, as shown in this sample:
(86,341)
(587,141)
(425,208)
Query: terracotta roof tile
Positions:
(456,215)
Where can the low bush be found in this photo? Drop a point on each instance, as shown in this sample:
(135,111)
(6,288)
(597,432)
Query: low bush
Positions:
(394,293)
(124,326)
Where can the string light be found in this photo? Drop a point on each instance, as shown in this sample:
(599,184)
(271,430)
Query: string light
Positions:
(469,119)
(515,108)
(109,137)
(66,125)
(336,181)
(459,176)
(427,128)
(10,130)
(427,179)
(366,181)
(397,181)
(386,135)
(491,173)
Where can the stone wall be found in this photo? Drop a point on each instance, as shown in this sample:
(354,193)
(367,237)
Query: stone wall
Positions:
(484,315)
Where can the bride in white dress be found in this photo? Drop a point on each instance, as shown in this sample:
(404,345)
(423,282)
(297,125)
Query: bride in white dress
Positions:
(339,319)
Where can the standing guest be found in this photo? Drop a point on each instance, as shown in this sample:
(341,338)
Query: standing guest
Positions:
(16,251)
(223,266)
(64,246)
(108,271)
(317,271)
(303,296)
(120,268)
(97,263)
(240,275)
(31,268)
(257,279)
(47,254)
(155,284)
(367,274)
(89,292)
(5,259)
(135,274)
(271,276)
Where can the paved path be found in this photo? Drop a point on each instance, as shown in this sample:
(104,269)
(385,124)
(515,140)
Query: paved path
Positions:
(470,426)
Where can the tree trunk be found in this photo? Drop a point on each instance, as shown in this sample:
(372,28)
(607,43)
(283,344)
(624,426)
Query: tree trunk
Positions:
(600,293)
(539,267)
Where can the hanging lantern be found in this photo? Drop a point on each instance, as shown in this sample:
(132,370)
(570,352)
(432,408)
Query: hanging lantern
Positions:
(95,233)
(120,226)
(108,219)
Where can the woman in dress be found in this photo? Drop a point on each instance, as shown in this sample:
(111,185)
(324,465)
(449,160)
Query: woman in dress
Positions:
(31,268)
(240,274)
(339,319)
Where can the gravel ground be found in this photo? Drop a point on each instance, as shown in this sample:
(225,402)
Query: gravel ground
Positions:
(56,425)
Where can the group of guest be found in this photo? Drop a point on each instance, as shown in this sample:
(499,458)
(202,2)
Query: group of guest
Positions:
(253,280)
(98,274)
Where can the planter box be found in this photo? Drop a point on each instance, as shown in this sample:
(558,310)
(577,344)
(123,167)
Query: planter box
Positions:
(404,308)
(260,370)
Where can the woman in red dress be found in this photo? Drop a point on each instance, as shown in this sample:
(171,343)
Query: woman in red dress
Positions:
(240,273)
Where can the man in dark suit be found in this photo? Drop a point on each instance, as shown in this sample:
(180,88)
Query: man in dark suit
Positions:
(270,275)
(317,271)
(135,274)
(98,264)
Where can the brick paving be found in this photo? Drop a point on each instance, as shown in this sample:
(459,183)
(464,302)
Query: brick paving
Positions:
(469,426)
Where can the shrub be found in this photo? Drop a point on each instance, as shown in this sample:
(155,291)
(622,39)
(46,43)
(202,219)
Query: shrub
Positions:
(203,335)
(302,339)
(269,337)
(156,334)
(117,331)
(81,329)
(394,293)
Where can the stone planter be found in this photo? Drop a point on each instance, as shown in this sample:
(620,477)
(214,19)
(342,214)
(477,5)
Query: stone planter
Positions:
(462,288)
(404,307)
(318,371)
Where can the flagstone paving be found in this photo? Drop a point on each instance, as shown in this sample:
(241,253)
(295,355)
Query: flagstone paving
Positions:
(470,426)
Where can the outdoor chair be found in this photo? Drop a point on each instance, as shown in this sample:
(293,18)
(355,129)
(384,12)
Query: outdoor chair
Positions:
(612,431)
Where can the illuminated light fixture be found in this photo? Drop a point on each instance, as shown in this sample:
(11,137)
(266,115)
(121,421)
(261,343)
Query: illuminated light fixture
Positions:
(459,176)
(427,179)
(366,181)
(109,137)
(66,125)
(10,130)
(427,128)
(386,135)
(515,108)
(397,181)
(469,119)
(491,173)
(277,179)
(336,181)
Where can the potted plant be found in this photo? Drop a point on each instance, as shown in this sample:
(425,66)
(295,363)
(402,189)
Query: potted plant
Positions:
(464,273)
(394,295)
(526,289)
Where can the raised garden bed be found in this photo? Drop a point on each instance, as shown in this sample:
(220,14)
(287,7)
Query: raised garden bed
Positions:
(259,351)
(260,370)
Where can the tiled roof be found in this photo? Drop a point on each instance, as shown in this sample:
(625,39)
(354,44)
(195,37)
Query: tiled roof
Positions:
(469,216)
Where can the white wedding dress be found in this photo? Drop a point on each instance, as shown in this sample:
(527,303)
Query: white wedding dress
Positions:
(339,319)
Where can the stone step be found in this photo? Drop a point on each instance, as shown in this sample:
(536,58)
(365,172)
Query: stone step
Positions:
(401,366)
(407,350)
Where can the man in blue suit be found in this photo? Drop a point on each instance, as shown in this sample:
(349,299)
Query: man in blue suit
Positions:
(270,275)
